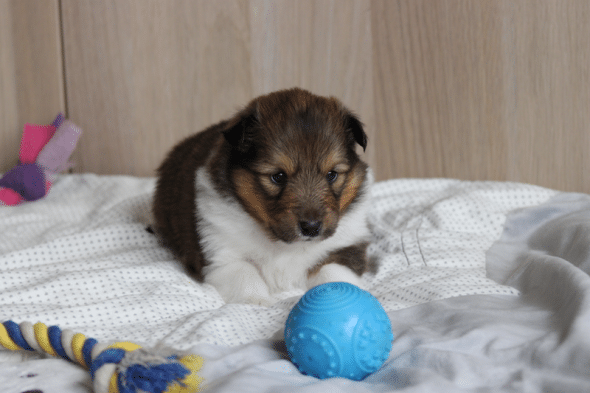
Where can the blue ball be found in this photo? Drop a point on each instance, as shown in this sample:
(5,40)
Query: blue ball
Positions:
(338,330)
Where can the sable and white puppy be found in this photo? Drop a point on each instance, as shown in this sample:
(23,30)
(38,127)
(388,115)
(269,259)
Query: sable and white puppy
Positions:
(271,199)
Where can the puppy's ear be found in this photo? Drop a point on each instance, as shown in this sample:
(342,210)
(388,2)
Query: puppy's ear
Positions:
(355,127)
(240,130)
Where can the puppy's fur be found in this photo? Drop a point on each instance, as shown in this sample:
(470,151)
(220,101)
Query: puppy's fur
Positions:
(271,199)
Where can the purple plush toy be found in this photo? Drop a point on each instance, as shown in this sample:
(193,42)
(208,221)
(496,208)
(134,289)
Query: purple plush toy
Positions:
(44,152)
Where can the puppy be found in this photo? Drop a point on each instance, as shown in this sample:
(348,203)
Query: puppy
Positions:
(269,200)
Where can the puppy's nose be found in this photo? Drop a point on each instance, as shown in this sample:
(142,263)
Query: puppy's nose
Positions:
(310,228)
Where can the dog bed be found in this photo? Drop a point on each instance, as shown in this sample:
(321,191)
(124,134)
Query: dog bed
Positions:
(485,283)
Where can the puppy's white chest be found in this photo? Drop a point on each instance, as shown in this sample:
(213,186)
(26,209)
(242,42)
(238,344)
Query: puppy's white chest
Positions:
(243,263)
(230,236)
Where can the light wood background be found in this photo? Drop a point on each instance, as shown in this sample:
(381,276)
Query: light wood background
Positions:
(469,89)
(31,72)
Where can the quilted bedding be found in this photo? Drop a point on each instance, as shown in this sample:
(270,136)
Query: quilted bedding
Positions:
(486,285)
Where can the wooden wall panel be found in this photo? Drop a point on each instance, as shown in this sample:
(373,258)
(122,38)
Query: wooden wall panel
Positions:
(479,90)
(439,89)
(467,89)
(141,75)
(31,83)
(550,112)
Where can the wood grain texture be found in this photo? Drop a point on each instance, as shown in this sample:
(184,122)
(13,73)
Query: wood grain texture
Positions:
(490,90)
(438,89)
(549,68)
(143,75)
(478,90)
(31,77)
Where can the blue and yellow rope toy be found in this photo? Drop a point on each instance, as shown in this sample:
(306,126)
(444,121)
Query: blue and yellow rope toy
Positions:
(122,367)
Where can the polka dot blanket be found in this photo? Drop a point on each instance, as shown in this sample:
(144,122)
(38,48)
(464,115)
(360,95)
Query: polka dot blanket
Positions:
(81,258)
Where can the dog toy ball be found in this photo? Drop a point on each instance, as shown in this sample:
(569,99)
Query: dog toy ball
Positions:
(338,330)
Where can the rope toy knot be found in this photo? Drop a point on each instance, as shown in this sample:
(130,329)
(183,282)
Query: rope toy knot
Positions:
(122,367)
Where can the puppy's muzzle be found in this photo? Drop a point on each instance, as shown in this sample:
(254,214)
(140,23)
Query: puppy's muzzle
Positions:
(310,228)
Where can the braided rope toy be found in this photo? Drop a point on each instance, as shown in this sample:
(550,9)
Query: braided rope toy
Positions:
(122,367)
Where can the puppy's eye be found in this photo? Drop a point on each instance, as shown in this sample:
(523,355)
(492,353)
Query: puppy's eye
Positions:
(279,178)
(331,176)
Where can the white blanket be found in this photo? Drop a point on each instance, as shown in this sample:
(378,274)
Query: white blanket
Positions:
(81,259)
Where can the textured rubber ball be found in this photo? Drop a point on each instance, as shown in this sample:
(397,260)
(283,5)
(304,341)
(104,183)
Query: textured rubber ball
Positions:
(338,330)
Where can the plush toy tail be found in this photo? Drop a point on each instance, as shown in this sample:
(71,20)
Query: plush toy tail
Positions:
(120,367)
(53,158)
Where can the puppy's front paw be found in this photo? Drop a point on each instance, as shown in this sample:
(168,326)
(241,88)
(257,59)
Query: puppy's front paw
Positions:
(265,301)
(240,282)
(253,290)
(332,272)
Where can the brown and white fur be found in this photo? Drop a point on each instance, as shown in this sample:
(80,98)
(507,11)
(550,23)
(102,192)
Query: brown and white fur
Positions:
(269,200)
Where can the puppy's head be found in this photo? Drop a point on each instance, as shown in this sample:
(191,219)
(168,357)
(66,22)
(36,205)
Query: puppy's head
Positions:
(293,164)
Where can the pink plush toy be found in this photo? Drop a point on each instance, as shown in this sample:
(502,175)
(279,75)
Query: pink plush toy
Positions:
(44,152)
